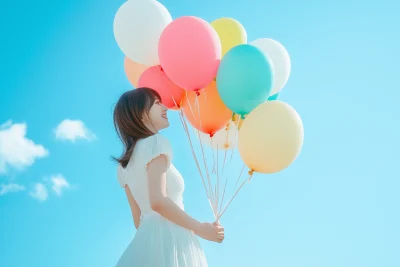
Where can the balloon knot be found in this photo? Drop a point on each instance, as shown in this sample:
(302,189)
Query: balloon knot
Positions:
(197,93)
(178,106)
(251,172)
(211,135)
(243,116)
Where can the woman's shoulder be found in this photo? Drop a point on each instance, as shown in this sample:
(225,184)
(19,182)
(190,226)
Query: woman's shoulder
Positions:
(153,146)
(154,141)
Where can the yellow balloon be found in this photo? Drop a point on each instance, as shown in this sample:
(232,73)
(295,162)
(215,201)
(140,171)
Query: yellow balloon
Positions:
(238,120)
(231,33)
(271,137)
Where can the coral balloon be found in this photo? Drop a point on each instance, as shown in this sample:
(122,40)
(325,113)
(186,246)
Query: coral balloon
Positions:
(138,25)
(206,112)
(155,78)
(190,52)
(133,70)
(230,32)
(271,137)
(226,138)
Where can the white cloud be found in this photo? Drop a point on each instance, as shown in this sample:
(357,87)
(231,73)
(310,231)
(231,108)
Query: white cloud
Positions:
(15,149)
(10,188)
(39,192)
(72,130)
(58,183)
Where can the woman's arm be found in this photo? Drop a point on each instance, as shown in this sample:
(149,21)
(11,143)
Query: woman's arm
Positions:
(135,210)
(162,204)
(159,201)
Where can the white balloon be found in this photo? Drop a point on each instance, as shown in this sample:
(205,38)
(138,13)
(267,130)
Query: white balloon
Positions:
(138,25)
(280,59)
(225,138)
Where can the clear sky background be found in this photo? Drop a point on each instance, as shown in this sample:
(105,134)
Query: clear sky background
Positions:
(337,205)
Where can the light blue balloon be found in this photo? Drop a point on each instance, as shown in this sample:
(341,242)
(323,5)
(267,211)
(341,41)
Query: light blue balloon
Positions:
(244,78)
(273,97)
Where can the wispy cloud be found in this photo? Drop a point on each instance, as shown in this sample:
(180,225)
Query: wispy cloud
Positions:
(59,183)
(16,150)
(10,188)
(71,130)
(39,192)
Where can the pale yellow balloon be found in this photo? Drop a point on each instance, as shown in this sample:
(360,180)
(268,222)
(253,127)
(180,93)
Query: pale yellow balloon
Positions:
(230,32)
(271,137)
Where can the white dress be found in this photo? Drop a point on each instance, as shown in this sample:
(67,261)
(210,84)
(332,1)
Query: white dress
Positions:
(158,242)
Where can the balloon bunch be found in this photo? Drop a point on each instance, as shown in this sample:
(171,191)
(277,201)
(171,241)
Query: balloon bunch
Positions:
(214,78)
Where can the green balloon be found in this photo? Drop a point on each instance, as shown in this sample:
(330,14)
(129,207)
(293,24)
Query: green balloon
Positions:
(273,97)
(244,78)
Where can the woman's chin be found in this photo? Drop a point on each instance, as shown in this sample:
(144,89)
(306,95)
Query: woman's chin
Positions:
(164,124)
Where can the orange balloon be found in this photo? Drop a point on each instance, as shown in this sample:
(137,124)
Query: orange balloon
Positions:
(133,71)
(205,109)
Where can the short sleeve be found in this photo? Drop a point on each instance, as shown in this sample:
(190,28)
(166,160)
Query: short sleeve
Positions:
(155,146)
(120,176)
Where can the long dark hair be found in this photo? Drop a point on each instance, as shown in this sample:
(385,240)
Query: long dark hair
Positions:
(128,115)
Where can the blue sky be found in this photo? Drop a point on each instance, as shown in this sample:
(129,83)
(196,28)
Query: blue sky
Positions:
(337,205)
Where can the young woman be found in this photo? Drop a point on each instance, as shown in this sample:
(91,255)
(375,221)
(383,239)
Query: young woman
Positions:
(166,235)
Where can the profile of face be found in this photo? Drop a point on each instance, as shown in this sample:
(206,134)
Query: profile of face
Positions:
(157,118)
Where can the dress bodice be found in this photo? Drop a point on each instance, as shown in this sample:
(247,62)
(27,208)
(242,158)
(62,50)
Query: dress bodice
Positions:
(135,173)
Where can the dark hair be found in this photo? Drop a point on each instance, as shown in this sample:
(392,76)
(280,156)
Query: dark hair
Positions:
(128,114)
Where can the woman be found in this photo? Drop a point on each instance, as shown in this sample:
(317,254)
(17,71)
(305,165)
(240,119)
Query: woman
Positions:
(166,235)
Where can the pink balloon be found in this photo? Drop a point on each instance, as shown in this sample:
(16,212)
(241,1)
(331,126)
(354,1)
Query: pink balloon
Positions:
(190,52)
(155,78)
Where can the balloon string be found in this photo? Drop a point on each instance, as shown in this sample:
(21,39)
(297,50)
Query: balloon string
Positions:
(223,194)
(224,162)
(217,182)
(202,150)
(185,127)
(190,107)
(222,213)
(241,172)
(194,116)
(206,168)
(234,144)
(212,197)
(213,153)
(201,144)
(196,104)
(226,177)
(192,149)
(197,163)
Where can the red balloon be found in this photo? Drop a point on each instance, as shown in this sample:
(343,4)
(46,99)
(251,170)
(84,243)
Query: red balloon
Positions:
(155,78)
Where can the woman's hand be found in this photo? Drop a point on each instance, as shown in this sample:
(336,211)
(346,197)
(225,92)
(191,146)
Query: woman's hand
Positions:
(211,232)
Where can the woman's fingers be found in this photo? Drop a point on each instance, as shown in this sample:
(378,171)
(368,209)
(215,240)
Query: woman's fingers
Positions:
(220,231)
(221,236)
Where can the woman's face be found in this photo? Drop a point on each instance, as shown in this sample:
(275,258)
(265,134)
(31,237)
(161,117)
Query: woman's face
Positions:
(157,119)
